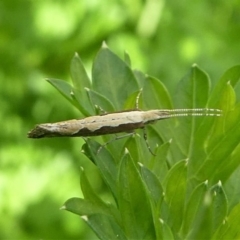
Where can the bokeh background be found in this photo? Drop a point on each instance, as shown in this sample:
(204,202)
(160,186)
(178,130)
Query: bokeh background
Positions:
(38,38)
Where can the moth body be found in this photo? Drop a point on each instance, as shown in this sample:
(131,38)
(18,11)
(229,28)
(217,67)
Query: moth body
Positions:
(117,122)
(91,126)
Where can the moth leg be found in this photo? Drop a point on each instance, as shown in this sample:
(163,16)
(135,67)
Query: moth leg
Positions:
(146,141)
(137,99)
(114,139)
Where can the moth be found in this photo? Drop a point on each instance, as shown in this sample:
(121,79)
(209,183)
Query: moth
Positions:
(113,123)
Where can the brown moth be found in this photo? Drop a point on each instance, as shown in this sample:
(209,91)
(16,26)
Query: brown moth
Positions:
(113,123)
(116,122)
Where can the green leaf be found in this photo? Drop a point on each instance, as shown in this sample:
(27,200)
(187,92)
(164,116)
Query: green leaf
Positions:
(223,98)
(100,100)
(113,78)
(81,99)
(159,164)
(63,87)
(231,186)
(134,145)
(140,77)
(208,135)
(229,160)
(232,75)
(210,214)
(74,96)
(127,59)
(81,81)
(202,226)
(229,229)
(220,146)
(133,202)
(81,207)
(153,137)
(155,196)
(175,185)
(104,227)
(192,208)
(192,92)
(153,186)
(78,73)
(91,196)
(155,94)
(219,205)
(223,124)
(166,231)
(137,147)
(193,89)
(105,162)
(131,101)
(87,190)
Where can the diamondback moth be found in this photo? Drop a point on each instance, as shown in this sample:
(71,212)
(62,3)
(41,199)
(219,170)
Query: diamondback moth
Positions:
(113,123)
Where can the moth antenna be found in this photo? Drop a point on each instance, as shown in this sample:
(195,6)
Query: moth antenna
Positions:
(196,112)
(192,114)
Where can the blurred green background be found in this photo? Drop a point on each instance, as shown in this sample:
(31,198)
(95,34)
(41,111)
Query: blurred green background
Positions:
(38,40)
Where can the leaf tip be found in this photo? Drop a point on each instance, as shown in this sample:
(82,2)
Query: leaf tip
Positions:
(63,207)
(140,164)
(82,151)
(219,184)
(104,45)
(161,221)
(76,55)
(224,221)
(87,89)
(85,217)
(126,151)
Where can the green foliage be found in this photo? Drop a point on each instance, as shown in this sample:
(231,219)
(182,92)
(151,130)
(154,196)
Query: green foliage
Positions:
(38,39)
(182,192)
